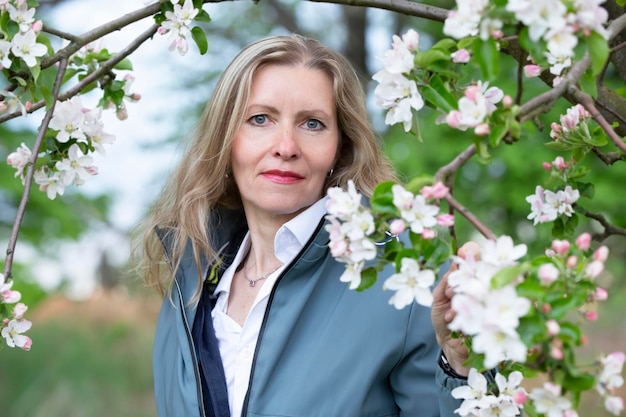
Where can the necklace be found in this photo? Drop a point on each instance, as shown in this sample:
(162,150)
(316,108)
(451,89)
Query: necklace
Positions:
(253,282)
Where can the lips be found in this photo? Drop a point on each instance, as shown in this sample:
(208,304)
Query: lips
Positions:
(282,177)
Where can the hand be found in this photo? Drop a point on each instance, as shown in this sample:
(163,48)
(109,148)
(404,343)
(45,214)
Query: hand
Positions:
(442,314)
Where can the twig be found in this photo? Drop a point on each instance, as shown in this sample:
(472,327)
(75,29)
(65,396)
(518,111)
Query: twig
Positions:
(609,229)
(609,158)
(445,172)
(587,101)
(104,68)
(400,6)
(28,180)
(484,230)
(63,35)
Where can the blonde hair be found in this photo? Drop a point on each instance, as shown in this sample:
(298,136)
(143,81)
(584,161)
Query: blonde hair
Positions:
(199,184)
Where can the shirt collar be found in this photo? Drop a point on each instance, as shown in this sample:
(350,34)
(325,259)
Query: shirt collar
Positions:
(293,235)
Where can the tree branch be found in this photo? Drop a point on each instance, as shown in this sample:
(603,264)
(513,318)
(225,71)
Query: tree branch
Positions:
(94,76)
(28,180)
(609,229)
(587,101)
(399,6)
(484,230)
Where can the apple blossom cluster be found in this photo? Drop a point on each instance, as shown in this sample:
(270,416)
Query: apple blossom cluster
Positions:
(177,23)
(557,23)
(349,228)
(396,91)
(22,45)
(352,227)
(78,132)
(487,312)
(546,205)
(609,380)
(479,401)
(549,400)
(573,127)
(13,325)
(474,108)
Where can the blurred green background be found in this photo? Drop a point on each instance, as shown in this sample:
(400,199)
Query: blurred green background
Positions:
(92,356)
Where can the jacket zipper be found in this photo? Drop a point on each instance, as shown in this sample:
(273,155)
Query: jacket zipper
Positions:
(192,347)
(244,409)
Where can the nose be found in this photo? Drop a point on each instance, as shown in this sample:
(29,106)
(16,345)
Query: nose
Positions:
(286,146)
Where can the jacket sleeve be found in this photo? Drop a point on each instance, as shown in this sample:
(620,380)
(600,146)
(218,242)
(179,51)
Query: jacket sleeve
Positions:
(420,386)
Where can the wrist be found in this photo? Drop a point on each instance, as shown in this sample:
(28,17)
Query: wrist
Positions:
(452,370)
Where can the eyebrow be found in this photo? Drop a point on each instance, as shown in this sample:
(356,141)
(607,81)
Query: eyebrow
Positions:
(271,109)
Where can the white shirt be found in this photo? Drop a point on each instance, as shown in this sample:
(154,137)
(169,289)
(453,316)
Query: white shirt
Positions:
(236,343)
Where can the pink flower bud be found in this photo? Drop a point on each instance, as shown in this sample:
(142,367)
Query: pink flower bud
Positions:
(497,34)
(546,308)
(446,220)
(338,248)
(482,129)
(601,294)
(454,119)
(548,273)
(27,344)
(19,310)
(37,26)
(428,234)
(397,226)
(572,261)
(559,163)
(462,56)
(570,413)
(583,241)
(560,246)
(532,70)
(547,166)
(553,327)
(121,113)
(507,101)
(472,92)
(556,353)
(601,254)
(595,269)
(437,190)
(550,253)
(583,340)
(520,397)
(591,315)
(614,404)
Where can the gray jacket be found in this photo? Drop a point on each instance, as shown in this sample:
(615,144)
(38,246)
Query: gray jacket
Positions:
(323,350)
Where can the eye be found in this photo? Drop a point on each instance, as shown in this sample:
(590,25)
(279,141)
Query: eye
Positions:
(258,119)
(314,124)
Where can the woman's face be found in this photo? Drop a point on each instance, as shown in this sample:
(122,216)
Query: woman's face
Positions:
(287,143)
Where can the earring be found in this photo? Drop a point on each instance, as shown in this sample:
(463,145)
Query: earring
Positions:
(226,175)
(330,173)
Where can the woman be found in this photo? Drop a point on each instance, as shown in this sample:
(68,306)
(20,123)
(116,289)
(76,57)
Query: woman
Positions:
(255,321)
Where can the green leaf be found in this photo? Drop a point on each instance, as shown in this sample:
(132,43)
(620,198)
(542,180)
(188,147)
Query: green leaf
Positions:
(570,333)
(445,44)
(35,71)
(428,58)
(586,189)
(509,274)
(588,83)
(416,183)
(433,97)
(486,53)
(199,37)
(202,16)
(124,64)
(597,137)
(498,131)
(532,289)
(368,278)
(558,228)
(382,199)
(47,96)
(621,2)
(598,50)
(565,304)
(466,43)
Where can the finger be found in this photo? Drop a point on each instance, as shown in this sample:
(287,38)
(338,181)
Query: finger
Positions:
(449,316)
(469,249)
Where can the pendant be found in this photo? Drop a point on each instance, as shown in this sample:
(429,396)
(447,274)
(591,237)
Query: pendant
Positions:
(252,283)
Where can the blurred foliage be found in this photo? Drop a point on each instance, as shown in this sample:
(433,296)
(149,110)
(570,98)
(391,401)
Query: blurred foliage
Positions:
(78,368)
